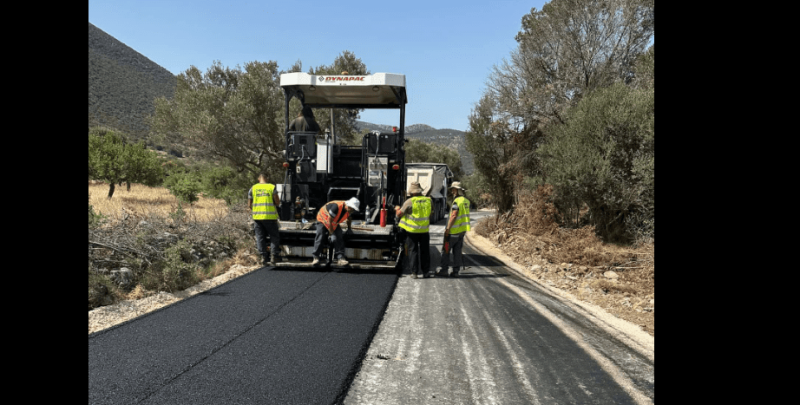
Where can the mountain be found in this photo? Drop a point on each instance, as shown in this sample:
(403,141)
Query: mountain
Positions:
(451,138)
(123,84)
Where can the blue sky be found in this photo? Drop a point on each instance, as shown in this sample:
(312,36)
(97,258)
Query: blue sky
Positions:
(446,49)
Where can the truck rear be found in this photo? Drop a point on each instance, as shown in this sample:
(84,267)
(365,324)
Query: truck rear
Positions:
(434,178)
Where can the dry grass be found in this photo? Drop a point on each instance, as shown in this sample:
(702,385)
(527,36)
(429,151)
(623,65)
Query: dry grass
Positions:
(145,201)
(576,259)
(138,292)
(134,221)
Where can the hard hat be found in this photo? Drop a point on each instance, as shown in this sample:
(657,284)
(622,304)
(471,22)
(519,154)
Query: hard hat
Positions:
(353,203)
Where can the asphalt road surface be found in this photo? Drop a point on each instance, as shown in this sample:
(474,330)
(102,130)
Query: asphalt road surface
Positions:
(359,337)
(492,337)
(268,337)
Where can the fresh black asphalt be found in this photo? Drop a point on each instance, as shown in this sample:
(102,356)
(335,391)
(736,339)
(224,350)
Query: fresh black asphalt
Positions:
(269,337)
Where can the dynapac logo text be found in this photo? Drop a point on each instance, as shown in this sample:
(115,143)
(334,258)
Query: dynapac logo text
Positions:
(341,78)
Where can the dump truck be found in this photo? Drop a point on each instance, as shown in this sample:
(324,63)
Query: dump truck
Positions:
(320,169)
(434,178)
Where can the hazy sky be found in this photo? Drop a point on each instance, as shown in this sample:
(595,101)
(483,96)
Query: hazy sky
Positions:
(446,49)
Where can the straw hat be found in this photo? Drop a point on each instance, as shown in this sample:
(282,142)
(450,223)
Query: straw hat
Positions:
(457,184)
(415,188)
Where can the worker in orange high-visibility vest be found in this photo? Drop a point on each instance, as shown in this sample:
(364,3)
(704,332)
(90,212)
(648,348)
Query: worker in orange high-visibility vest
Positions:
(328,219)
(262,200)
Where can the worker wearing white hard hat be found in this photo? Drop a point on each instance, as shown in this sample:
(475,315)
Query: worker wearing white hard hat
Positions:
(328,219)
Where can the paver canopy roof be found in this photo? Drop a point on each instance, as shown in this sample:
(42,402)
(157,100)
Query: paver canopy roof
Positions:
(381,90)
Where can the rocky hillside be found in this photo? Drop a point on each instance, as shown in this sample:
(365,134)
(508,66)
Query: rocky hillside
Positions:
(452,138)
(123,84)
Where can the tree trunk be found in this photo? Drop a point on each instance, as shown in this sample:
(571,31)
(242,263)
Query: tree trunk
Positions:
(111,190)
(129,185)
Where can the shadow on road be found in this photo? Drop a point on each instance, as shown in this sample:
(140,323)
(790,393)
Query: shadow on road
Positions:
(483,260)
(215,293)
(323,269)
(462,275)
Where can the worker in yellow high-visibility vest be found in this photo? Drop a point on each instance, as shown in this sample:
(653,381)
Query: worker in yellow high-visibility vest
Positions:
(414,218)
(263,202)
(457,227)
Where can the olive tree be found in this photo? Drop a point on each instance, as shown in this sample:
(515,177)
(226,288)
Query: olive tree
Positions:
(233,115)
(112,159)
(345,119)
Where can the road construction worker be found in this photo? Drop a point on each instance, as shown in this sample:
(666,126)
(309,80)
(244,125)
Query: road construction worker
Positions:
(305,121)
(456,229)
(414,218)
(262,200)
(328,219)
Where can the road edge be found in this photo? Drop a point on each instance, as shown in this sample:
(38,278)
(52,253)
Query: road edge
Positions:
(626,331)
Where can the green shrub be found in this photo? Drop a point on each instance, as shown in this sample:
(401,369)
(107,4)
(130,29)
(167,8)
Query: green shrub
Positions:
(179,214)
(225,183)
(604,157)
(95,218)
(184,185)
(177,273)
(102,291)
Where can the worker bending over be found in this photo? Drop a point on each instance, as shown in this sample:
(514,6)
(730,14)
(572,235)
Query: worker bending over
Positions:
(328,219)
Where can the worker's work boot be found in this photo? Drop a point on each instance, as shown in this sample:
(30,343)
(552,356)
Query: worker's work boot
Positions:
(265,261)
(315,261)
(414,276)
(442,272)
(342,262)
(276,259)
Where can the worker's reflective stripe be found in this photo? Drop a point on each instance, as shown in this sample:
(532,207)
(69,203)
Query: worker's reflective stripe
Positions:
(262,197)
(461,224)
(421,224)
(419,220)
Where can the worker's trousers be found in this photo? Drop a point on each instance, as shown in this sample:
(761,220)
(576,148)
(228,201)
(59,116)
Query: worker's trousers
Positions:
(264,227)
(419,255)
(456,244)
(337,239)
